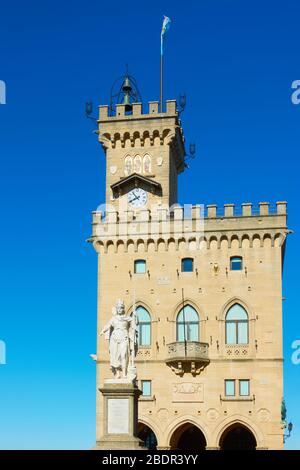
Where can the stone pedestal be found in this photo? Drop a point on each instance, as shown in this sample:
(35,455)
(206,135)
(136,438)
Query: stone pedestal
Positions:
(120,417)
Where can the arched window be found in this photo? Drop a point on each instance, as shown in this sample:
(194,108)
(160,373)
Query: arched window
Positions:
(147,164)
(137,164)
(144,326)
(187,324)
(187,265)
(236,263)
(237,325)
(128,165)
(139,266)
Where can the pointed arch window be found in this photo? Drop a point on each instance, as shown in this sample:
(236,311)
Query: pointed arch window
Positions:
(237,325)
(128,165)
(187,324)
(137,164)
(147,164)
(144,326)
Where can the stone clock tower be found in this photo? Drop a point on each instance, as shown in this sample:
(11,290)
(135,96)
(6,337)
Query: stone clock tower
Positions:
(206,289)
(144,155)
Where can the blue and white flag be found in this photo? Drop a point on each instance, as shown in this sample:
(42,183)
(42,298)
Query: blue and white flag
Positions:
(165,26)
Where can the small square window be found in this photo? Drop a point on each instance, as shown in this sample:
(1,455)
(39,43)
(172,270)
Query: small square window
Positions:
(244,388)
(230,388)
(139,266)
(236,263)
(146,388)
(187,265)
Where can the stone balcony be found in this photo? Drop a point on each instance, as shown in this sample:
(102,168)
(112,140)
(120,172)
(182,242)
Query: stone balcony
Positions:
(187,357)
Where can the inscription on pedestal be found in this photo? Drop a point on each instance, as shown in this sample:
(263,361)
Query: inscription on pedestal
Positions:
(118,416)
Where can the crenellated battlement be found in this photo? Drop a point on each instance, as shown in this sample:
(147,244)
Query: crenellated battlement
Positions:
(246,209)
(137,111)
(188,211)
(199,224)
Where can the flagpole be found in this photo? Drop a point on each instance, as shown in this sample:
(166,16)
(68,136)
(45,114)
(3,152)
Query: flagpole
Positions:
(164,29)
(161,78)
(161,73)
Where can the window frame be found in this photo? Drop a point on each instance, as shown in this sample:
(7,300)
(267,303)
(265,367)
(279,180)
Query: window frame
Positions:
(150,384)
(232,258)
(234,387)
(140,328)
(236,334)
(140,260)
(236,323)
(182,265)
(186,326)
(248,382)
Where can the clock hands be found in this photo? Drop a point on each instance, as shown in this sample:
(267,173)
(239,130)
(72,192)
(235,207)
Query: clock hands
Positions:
(136,197)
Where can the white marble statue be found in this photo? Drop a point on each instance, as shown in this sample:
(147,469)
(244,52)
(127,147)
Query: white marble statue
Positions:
(122,335)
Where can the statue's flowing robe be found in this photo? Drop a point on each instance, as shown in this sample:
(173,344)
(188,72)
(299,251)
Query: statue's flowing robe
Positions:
(122,338)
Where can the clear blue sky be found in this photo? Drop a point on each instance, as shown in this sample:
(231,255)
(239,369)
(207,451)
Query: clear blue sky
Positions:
(236,62)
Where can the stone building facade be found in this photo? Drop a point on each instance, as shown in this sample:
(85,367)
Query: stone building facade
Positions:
(206,284)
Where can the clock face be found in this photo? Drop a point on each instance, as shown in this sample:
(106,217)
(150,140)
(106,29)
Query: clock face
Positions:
(137,197)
